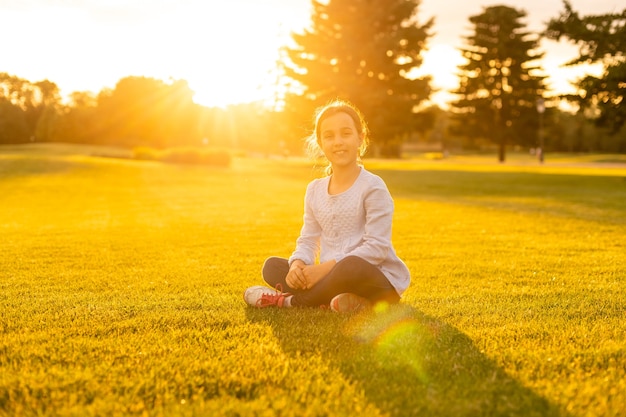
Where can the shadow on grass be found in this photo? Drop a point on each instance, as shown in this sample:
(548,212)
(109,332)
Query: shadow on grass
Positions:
(406,363)
(37,166)
(581,196)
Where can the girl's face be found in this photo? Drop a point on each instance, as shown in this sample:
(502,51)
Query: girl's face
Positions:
(340,140)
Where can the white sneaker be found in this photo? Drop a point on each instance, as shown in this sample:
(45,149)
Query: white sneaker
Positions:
(261,297)
(349,303)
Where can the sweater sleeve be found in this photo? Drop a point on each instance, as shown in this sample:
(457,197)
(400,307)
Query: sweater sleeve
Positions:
(376,241)
(308,243)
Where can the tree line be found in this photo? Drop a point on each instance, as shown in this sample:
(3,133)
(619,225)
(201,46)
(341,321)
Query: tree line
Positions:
(366,52)
(138,111)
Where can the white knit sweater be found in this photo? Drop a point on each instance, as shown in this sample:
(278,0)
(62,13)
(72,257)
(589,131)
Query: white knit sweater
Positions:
(355,222)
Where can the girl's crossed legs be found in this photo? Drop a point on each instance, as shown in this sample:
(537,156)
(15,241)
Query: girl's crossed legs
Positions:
(350,275)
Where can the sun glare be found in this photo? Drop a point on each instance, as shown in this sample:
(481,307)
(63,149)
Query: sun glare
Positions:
(232,66)
(226,52)
(441,62)
(236,60)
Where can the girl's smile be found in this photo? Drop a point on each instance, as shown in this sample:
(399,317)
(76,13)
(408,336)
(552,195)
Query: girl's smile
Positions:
(340,140)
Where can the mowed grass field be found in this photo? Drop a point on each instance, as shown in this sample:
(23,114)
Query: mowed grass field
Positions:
(121,291)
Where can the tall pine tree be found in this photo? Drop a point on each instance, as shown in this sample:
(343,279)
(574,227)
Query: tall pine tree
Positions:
(499,86)
(601,38)
(362,51)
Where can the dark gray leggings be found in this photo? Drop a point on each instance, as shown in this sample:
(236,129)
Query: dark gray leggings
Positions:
(351,274)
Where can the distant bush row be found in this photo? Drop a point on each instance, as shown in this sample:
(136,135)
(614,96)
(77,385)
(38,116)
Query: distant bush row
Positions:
(196,156)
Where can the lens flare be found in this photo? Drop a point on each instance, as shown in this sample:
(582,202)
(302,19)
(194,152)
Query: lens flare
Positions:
(399,340)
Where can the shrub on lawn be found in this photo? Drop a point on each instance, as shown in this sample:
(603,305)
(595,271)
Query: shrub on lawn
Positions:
(145,153)
(434,155)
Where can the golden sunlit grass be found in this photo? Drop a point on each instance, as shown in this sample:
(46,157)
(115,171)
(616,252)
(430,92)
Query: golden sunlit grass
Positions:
(121,287)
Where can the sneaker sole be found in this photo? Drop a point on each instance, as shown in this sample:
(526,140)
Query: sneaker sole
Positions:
(349,303)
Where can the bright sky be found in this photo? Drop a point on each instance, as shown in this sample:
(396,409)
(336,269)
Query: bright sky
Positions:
(226,50)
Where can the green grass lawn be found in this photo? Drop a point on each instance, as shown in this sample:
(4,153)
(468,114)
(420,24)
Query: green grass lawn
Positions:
(121,291)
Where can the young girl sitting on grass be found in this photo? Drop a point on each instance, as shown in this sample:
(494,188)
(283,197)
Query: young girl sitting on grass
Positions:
(347,222)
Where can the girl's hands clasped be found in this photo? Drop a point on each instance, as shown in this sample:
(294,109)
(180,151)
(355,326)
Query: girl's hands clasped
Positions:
(304,277)
(295,277)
